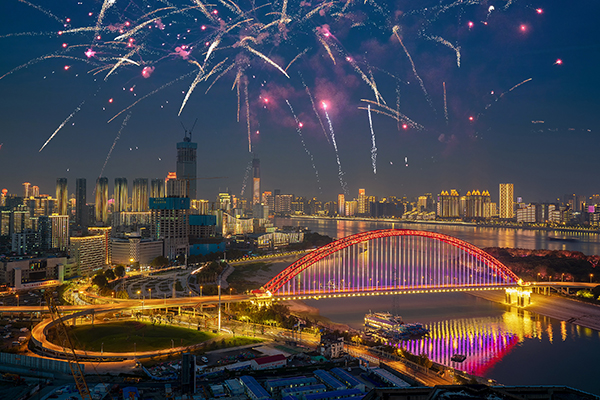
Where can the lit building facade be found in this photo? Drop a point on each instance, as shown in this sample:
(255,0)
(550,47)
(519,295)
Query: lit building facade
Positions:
(60,231)
(134,249)
(139,200)
(170,223)
(102,201)
(507,201)
(341,204)
(62,197)
(121,195)
(157,188)
(476,204)
(104,232)
(449,204)
(255,181)
(362,202)
(89,253)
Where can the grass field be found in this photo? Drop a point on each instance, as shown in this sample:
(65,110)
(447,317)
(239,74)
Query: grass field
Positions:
(239,278)
(120,336)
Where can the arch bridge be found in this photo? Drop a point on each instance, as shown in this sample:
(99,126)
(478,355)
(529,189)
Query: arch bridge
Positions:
(392,261)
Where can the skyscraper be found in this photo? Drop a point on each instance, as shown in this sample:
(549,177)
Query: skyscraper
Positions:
(186,164)
(62,197)
(255,181)
(102,200)
(26,190)
(80,203)
(506,201)
(140,195)
(362,202)
(157,188)
(341,204)
(60,231)
(121,194)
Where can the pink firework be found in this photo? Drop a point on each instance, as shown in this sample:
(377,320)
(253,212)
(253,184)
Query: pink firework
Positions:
(90,53)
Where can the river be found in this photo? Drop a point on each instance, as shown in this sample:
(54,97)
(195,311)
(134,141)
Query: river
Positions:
(510,345)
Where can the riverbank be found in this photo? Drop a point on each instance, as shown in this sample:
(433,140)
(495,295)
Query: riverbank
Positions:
(304,311)
(449,223)
(582,314)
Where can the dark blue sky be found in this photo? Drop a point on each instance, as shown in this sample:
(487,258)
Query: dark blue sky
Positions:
(503,47)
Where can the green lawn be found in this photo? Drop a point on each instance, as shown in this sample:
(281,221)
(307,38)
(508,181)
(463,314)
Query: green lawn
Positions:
(120,336)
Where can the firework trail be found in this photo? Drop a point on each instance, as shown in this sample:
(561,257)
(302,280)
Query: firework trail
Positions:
(395,30)
(299,130)
(267,59)
(123,125)
(295,58)
(337,155)
(246,175)
(445,104)
(121,61)
(450,45)
(374,148)
(48,13)
(248,115)
(105,6)
(219,77)
(398,104)
(61,125)
(502,95)
(150,94)
(198,78)
(42,58)
(392,113)
(314,107)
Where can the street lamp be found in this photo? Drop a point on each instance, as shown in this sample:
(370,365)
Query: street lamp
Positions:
(538,276)
(149,293)
(139,291)
(591,276)
(18,296)
(562,277)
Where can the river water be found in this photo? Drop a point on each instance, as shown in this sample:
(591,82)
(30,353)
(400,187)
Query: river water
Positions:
(509,345)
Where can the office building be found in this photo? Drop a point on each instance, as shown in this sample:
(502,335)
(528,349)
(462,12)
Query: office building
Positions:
(35,191)
(506,201)
(88,253)
(134,249)
(101,201)
(81,212)
(170,223)
(121,195)
(255,181)
(62,197)
(283,204)
(157,188)
(26,190)
(186,164)
(139,201)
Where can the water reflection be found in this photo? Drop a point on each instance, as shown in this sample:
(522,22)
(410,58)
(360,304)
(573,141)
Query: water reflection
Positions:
(587,243)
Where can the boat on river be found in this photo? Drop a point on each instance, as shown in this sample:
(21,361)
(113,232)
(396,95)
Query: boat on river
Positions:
(387,326)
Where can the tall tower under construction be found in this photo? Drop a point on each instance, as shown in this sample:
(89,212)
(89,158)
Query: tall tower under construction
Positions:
(186,163)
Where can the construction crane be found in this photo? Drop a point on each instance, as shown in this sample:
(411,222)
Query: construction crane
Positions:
(76,371)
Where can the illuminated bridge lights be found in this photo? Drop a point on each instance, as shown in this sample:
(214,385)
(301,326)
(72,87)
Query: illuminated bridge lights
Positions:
(391,261)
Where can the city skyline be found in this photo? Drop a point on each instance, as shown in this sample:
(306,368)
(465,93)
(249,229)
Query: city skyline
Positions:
(536,133)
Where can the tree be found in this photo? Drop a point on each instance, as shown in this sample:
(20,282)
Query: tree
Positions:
(160,261)
(100,281)
(109,274)
(120,271)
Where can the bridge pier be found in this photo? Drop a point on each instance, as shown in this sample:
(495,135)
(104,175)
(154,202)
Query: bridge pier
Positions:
(518,296)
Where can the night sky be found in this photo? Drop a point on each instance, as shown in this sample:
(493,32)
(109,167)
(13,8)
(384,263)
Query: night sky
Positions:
(542,135)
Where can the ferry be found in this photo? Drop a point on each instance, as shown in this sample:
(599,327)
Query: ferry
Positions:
(390,326)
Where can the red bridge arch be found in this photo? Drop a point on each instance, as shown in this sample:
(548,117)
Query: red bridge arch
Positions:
(475,267)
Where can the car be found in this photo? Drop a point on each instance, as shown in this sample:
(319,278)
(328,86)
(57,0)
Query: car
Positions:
(204,360)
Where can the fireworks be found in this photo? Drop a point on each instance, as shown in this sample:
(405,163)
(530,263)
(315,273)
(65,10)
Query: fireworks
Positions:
(307,48)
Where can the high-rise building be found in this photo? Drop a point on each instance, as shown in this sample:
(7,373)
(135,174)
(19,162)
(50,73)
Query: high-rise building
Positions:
(157,188)
(476,204)
(26,190)
(140,195)
(35,191)
(283,203)
(186,164)
(255,181)
(62,197)
(341,204)
(269,201)
(102,200)
(81,212)
(362,202)
(506,201)
(60,231)
(449,204)
(121,195)
(170,223)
